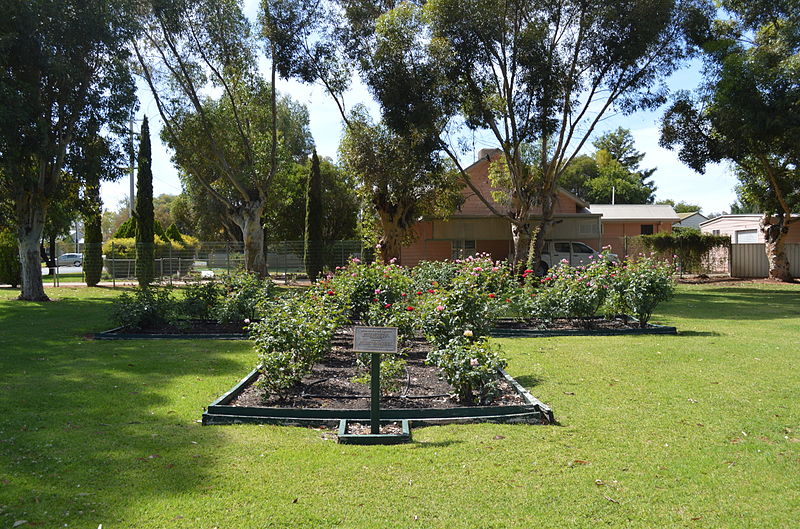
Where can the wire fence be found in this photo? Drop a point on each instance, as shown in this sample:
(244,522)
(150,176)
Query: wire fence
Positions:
(286,260)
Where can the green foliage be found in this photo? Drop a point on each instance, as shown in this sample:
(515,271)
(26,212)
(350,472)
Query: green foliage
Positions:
(680,207)
(173,234)
(471,366)
(65,72)
(126,230)
(745,111)
(242,293)
(313,250)
(10,268)
(640,285)
(689,245)
(401,178)
(571,292)
(126,248)
(433,274)
(357,286)
(479,293)
(393,371)
(144,308)
(200,299)
(292,334)
(93,237)
(145,238)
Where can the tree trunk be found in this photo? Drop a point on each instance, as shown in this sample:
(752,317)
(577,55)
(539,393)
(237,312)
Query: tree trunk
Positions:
(248,218)
(51,261)
(775,240)
(30,222)
(392,240)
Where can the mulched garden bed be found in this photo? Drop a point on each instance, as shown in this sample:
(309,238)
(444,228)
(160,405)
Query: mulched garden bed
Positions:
(533,327)
(330,385)
(185,329)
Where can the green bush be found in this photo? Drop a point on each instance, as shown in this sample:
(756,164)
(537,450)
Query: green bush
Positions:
(357,286)
(470,304)
(242,292)
(641,284)
(144,308)
(200,299)
(470,365)
(570,292)
(393,371)
(293,333)
(10,267)
(688,245)
(437,274)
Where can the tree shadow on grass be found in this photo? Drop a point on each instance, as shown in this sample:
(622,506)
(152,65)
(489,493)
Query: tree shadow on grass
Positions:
(528,381)
(95,428)
(686,334)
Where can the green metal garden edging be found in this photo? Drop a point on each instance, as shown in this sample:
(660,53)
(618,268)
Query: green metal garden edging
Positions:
(221,412)
(374,439)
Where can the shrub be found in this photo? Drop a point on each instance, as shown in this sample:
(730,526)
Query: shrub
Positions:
(570,292)
(144,308)
(358,285)
(437,274)
(10,267)
(689,245)
(446,314)
(242,293)
(200,299)
(292,334)
(641,284)
(471,366)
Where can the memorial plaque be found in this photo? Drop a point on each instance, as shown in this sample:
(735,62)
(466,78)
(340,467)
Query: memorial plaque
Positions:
(375,339)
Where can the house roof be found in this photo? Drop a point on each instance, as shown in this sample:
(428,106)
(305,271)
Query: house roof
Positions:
(636,212)
(686,215)
(486,155)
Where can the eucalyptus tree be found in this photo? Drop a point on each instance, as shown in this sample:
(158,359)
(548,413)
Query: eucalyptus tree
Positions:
(190,51)
(400,172)
(63,64)
(540,73)
(747,112)
(400,177)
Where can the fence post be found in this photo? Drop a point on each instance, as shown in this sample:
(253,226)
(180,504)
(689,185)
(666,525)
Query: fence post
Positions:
(113,271)
(169,269)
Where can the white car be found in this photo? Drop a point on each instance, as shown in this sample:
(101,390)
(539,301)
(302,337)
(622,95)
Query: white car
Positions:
(70,259)
(576,254)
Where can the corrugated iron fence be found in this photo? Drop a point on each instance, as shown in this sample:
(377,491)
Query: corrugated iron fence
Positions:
(750,260)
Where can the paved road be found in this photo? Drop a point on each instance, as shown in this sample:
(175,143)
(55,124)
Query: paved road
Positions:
(65,270)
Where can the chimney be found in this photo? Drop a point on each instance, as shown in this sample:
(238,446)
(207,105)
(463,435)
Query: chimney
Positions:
(483,153)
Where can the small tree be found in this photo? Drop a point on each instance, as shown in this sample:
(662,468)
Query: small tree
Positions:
(145,238)
(314,215)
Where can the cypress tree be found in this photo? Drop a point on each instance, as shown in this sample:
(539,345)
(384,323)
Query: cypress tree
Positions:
(145,247)
(313,236)
(93,236)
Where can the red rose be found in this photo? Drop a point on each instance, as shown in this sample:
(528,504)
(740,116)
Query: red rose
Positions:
(492,295)
(409,308)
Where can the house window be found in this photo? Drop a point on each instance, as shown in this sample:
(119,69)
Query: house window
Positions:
(714,232)
(462,248)
(647,229)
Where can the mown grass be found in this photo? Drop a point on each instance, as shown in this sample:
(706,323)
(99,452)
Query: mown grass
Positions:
(696,430)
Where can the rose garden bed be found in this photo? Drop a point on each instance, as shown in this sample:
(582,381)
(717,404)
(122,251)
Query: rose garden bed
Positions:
(504,328)
(329,394)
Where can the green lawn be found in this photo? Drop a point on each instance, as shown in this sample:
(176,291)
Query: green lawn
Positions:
(696,430)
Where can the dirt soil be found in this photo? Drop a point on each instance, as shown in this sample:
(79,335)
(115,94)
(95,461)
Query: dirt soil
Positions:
(359,428)
(331,385)
(189,327)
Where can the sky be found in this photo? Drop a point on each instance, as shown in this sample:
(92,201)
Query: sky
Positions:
(713,191)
